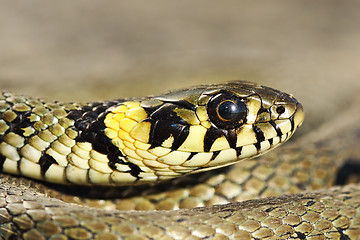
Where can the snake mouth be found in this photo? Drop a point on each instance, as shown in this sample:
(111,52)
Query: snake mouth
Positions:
(285,128)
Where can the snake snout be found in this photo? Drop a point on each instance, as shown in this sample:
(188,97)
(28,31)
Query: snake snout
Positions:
(299,115)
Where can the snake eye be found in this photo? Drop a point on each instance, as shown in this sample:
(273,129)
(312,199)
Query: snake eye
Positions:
(226,110)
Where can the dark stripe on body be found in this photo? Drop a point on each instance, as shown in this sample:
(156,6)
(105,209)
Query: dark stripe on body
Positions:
(2,160)
(21,121)
(89,122)
(45,162)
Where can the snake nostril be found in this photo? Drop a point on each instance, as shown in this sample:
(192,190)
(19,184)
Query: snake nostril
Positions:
(280,110)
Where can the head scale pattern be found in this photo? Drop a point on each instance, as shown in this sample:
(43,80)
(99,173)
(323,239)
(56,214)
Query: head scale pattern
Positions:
(202,128)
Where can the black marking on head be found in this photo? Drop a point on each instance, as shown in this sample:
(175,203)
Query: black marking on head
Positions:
(45,162)
(162,130)
(231,137)
(292,123)
(166,112)
(278,130)
(153,136)
(165,123)
(259,137)
(211,135)
(191,155)
(180,139)
(215,154)
(238,151)
(257,145)
(259,134)
(214,133)
(181,103)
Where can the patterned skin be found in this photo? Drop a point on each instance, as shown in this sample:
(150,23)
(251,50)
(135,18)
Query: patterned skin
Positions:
(143,140)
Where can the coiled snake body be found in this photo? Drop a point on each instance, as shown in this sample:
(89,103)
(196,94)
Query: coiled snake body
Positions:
(141,141)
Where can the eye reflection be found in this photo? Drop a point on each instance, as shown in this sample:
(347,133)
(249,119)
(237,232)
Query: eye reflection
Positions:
(228,110)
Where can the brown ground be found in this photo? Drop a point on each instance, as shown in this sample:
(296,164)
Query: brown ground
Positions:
(88,50)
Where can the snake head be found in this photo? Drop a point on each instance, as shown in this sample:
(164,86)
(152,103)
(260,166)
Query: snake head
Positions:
(201,128)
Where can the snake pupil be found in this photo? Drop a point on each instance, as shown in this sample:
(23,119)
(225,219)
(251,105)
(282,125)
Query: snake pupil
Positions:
(228,110)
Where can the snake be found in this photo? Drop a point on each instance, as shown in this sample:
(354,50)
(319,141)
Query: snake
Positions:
(181,165)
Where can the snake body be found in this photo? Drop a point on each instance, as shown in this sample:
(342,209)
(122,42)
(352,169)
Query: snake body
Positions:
(137,141)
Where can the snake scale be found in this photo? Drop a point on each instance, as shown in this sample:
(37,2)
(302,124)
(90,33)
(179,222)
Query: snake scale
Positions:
(161,147)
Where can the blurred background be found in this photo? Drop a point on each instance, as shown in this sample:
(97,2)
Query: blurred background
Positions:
(93,50)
